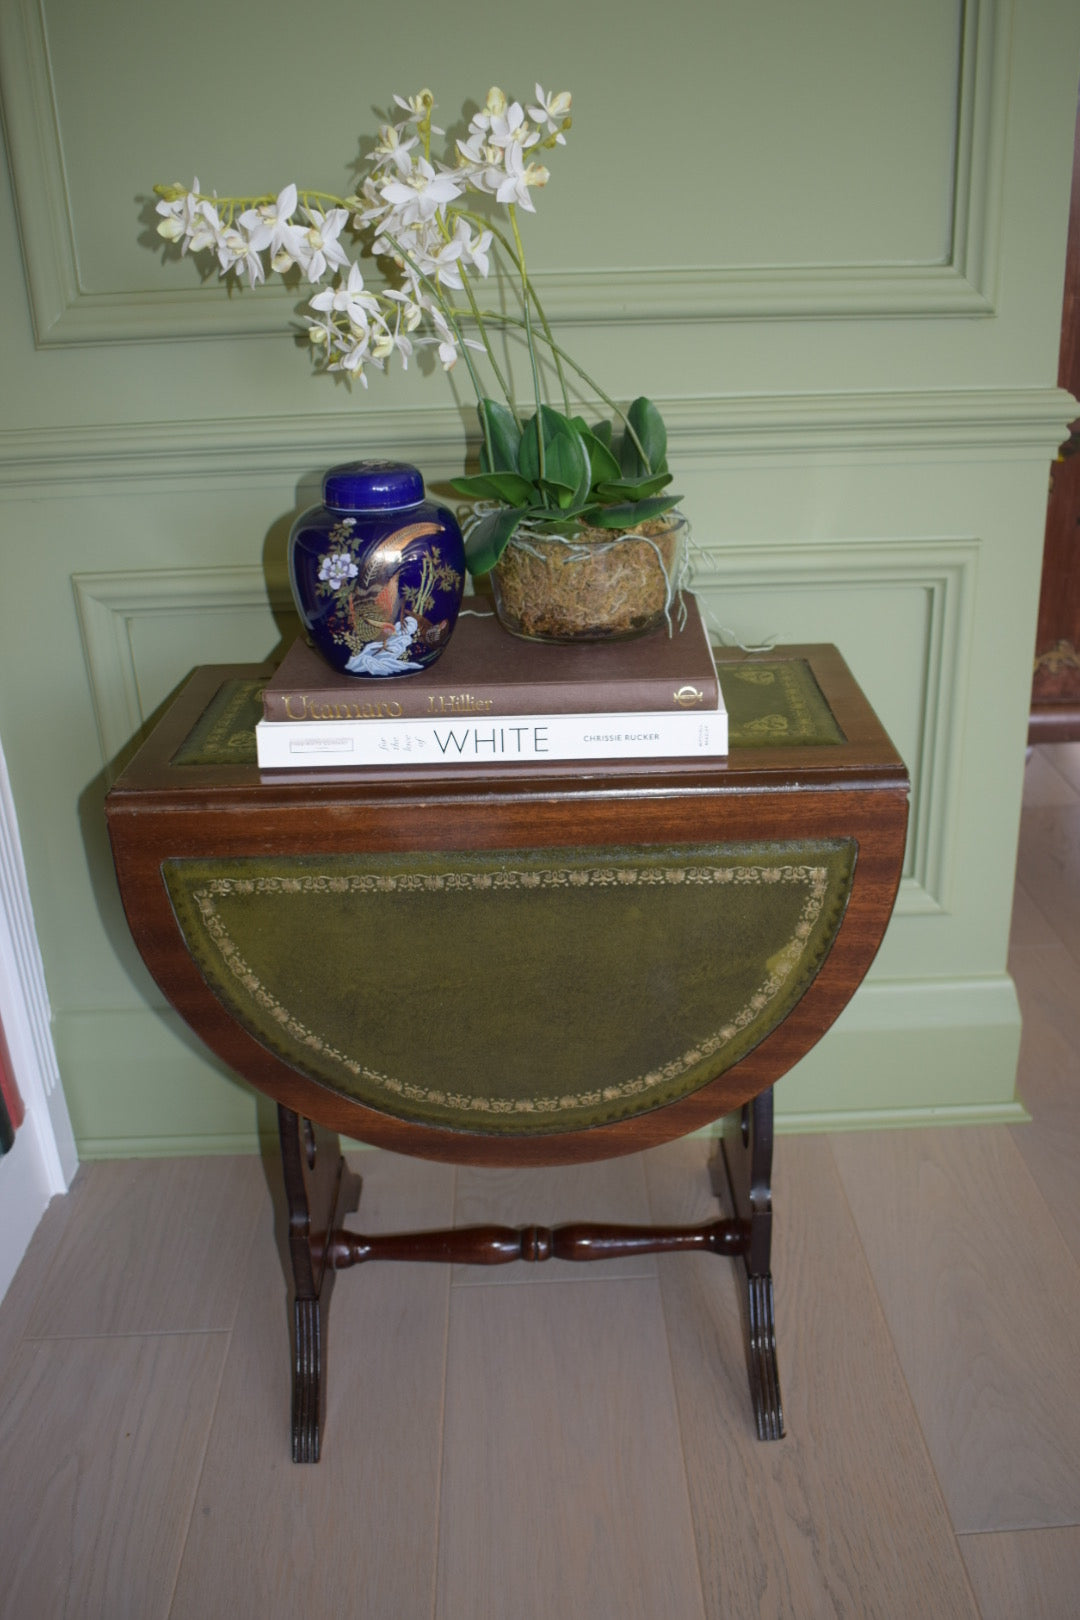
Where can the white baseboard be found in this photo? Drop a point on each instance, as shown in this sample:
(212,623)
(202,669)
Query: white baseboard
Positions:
(25,1191)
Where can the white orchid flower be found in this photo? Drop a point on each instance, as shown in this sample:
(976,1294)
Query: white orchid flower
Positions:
(173,225)
(392,151)
(205,229)
(474,248)
(233,248)
(409,304)
(190,220)
(352,358)
(321,333)
(404,208)
(388,341)
(271,226)
(349,299)
(494,107)
(443,265)
(552,112)
(448,348)
(317,247)
(417,106)
(449,343)
(512,128)
(421,193)
(514,186)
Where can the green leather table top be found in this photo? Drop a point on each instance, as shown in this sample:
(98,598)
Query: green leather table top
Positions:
(597,983)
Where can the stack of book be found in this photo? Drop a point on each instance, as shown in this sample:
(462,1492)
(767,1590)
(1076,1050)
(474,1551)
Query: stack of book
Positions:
(495,699)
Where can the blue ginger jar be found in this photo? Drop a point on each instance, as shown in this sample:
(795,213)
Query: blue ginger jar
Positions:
(377,571)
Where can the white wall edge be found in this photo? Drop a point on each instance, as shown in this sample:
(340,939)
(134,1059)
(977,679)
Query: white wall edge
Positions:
(26,1015)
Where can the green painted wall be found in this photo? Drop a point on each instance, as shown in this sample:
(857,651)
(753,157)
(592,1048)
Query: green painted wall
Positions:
(829,240)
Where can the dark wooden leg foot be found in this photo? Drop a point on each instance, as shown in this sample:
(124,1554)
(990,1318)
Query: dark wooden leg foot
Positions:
(308,1383)
(319,1190)
(746,1159)
(761,1358)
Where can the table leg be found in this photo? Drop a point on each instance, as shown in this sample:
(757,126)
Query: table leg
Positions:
(319,1190)
(746,1157)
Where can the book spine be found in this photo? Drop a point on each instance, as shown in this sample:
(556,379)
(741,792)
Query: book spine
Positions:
(299,745)
(407,702)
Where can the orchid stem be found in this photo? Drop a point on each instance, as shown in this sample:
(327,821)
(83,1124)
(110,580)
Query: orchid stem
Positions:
(558,352)
(452,317)
(508,249)
(512,211)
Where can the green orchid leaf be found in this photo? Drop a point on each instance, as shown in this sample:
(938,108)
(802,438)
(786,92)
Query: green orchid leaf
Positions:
(648,424)
(630,514)
(603,467)
(632,489)
(504,433)
(489,537)
(602,464)
(552,423)
(566,463)
(604,431)
(508,487)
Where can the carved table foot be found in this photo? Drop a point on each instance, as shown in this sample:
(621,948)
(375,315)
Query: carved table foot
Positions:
(746,1160)
(320,1191)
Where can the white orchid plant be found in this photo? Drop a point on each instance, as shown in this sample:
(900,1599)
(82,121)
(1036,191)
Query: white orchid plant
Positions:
(440,228)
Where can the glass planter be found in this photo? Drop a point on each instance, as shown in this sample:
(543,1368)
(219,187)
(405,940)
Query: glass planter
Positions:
(591,584)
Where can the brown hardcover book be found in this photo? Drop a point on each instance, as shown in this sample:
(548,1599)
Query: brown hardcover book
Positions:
(487,672)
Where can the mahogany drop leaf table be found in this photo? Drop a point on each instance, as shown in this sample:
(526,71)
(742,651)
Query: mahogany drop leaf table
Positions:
(517,964)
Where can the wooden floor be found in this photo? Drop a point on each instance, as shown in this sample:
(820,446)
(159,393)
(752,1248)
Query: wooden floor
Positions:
(566,1442)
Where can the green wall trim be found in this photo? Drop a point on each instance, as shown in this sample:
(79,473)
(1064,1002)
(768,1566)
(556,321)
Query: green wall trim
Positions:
(900,1119)
(706,432)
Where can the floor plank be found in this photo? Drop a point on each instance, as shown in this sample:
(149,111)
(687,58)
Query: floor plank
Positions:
(1029,924)
(1048,1082)
(159,1248)
(843,1517)
(982,1297)
(610,1190)
(101,1442)
(1048,867)
(354,1533)
(31,1280)
(1065,759)
(1026,1575)
(1044,784)
(563,1487)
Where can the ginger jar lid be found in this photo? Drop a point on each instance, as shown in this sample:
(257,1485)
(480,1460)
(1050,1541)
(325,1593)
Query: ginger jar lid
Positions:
(372,486)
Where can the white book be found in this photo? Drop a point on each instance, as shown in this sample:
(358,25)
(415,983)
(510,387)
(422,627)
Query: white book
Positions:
(314,744)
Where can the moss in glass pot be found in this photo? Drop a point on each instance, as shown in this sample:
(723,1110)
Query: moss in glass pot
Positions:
(590,584)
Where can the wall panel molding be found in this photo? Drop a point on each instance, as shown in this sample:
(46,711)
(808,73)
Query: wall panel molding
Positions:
(945,569)
(989,422)
(66,311)
(108,605)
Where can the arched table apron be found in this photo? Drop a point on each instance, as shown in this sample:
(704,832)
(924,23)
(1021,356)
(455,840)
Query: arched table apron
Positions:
(517,964)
